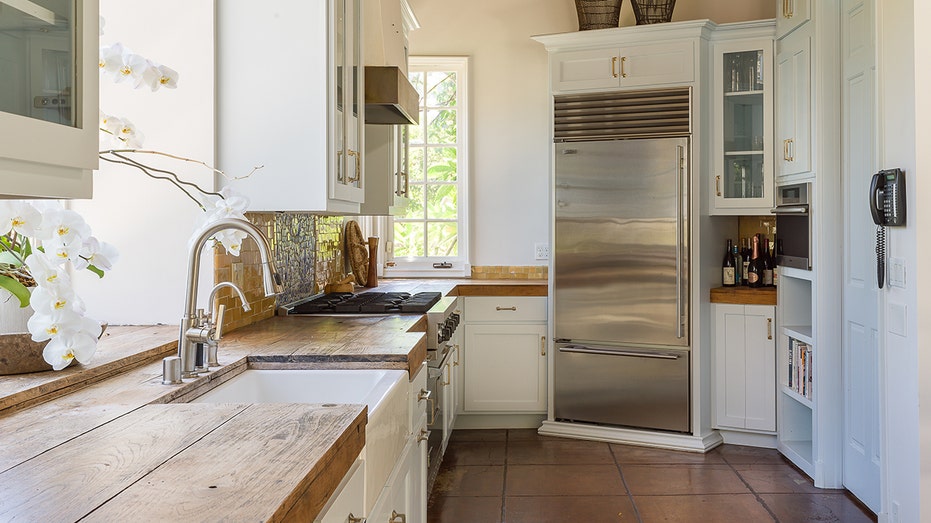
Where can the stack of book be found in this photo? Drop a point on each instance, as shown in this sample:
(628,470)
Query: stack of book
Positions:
(800,367)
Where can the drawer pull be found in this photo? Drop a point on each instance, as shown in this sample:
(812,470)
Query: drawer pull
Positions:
(614,66)
(353,519)
(456,363)
(542,345)
(448,376)
(499,308)
(397,518)
(623,69)
(432,409)
(717,184)
(424,395)
(424,435)
(769,328)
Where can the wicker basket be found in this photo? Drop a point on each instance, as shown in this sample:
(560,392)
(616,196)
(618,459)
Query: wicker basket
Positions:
(598,14)
(652,11)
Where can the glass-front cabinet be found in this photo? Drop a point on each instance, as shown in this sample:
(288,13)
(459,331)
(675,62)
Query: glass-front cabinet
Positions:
(48,98)
(349,122)
(743,116)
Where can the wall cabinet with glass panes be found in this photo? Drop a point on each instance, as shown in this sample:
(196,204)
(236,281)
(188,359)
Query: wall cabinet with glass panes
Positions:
(48,98)
(299,110)
(742,174)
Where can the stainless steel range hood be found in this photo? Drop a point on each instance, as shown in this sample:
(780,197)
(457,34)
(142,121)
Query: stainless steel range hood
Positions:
(389,96)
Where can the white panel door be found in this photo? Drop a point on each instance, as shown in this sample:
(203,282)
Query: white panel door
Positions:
(793,105)
(505,368)
(861,346)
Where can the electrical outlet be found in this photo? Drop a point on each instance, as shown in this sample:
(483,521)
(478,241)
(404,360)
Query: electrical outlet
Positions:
(541,251)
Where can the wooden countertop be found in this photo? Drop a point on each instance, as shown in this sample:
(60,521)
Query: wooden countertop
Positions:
(103,438)
(744,295)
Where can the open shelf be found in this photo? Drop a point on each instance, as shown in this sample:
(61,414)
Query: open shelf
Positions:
(792,272)
(796,396)
(799,452)
(800,332)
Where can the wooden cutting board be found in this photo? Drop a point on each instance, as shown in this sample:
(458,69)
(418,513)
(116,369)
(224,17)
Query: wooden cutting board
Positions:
(357,252)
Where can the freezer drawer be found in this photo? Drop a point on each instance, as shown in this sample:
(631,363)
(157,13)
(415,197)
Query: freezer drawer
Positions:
(633,387)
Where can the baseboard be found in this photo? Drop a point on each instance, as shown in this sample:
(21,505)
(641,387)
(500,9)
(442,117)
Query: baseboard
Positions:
(499,421)
(750,439)
(644,438)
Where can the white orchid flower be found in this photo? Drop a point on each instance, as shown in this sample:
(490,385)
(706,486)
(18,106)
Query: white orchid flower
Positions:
(158,76)
(47,272)
(131,67)
(53,301)
(61,351)
(20,217)
(64,226)
(111,59)
(129,134)
(231,239)
(47,326)
(99,254)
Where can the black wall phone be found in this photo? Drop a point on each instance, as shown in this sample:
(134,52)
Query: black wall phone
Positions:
(887,205)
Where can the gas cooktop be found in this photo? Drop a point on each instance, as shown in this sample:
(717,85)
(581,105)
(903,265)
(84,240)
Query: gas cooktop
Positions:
(368,303)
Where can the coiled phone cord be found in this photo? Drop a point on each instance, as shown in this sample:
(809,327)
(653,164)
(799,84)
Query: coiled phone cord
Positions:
(880,254)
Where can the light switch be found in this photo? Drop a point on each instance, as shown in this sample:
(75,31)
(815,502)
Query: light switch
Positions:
(897,272)
(895,319)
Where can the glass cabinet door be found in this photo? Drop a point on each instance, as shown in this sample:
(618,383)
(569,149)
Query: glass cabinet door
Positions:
(348,125)
(743,170)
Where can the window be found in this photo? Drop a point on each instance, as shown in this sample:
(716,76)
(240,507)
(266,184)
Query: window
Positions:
(432,235)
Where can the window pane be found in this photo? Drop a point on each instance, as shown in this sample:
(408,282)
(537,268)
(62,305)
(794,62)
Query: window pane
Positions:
(442,239)
(441,126)
(416,131)
(443,162)
(415,164)
(442,201)
(441,89)
(417,80)
(414,211)
(408,239)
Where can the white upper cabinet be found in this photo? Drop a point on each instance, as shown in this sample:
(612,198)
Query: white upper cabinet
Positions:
(627,66)
(791,14)
(48,98)
(290,98)
(743,126)
(793,105)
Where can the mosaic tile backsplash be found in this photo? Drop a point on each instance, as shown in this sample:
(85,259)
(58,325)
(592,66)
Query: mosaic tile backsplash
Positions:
(308,254)
(509,272)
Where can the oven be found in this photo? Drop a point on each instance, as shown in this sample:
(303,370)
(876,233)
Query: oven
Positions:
(442,334)
(793,225)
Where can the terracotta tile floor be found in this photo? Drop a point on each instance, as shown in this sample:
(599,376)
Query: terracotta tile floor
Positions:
(517,476)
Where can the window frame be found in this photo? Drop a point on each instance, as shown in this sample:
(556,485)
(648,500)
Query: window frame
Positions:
(423,266)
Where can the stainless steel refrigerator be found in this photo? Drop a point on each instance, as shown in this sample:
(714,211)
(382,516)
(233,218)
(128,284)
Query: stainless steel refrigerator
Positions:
(621,280)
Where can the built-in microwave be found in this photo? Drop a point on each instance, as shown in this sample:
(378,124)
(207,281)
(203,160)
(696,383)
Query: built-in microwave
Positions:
(793,225)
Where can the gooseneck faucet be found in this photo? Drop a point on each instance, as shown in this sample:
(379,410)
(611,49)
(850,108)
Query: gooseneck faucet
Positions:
(193,330)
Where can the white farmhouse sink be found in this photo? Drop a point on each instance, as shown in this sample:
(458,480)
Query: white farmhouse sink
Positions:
(362,386)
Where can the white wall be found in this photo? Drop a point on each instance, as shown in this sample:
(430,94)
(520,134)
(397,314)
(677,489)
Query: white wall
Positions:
(150,221)
(510,100)
(921,182)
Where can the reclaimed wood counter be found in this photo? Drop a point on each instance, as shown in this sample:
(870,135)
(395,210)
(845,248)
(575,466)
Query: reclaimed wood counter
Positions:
(108,441)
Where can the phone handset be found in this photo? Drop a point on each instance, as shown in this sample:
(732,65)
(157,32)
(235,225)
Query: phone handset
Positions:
(887,205)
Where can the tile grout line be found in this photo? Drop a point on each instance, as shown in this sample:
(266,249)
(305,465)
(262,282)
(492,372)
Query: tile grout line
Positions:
(630,495)
(756,495)
(504,483)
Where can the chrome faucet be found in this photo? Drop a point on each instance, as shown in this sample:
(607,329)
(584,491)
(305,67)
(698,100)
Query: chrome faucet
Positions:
(196,327)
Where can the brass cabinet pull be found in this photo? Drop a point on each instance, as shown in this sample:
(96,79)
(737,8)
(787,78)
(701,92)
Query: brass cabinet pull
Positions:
(353,519)
(614,66)
(542,345)
(791,149)
(623,69)
(717,184)
(397,518)
(769,328)
(358,175)
(432,409)
(424,435)
(447,382)
(505,308)
(790,4)
(424,395)
(456,363)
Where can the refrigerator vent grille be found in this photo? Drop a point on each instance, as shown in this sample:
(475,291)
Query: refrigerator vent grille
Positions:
(623,114)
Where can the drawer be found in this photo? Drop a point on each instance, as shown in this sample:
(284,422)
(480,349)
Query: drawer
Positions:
(418,397)
(505,309)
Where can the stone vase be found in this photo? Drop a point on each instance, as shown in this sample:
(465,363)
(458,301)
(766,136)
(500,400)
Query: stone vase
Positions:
(18,353)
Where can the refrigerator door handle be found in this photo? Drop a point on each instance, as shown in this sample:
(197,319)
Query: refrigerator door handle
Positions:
(680,162)
(582,349)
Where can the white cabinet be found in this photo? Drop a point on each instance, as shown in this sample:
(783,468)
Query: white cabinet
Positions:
(504,359)
(793,105)
(394,503)
(791,14)
(290,98)
(48,100)
(743,126)
(348,501)
(387,189)
(627,66)
(745,367)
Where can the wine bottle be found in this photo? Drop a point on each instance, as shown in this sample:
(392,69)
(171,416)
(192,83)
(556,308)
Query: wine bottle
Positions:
(767,262)
(738,264)
(777,252)
(745,257)
(729,267)
(755,268)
